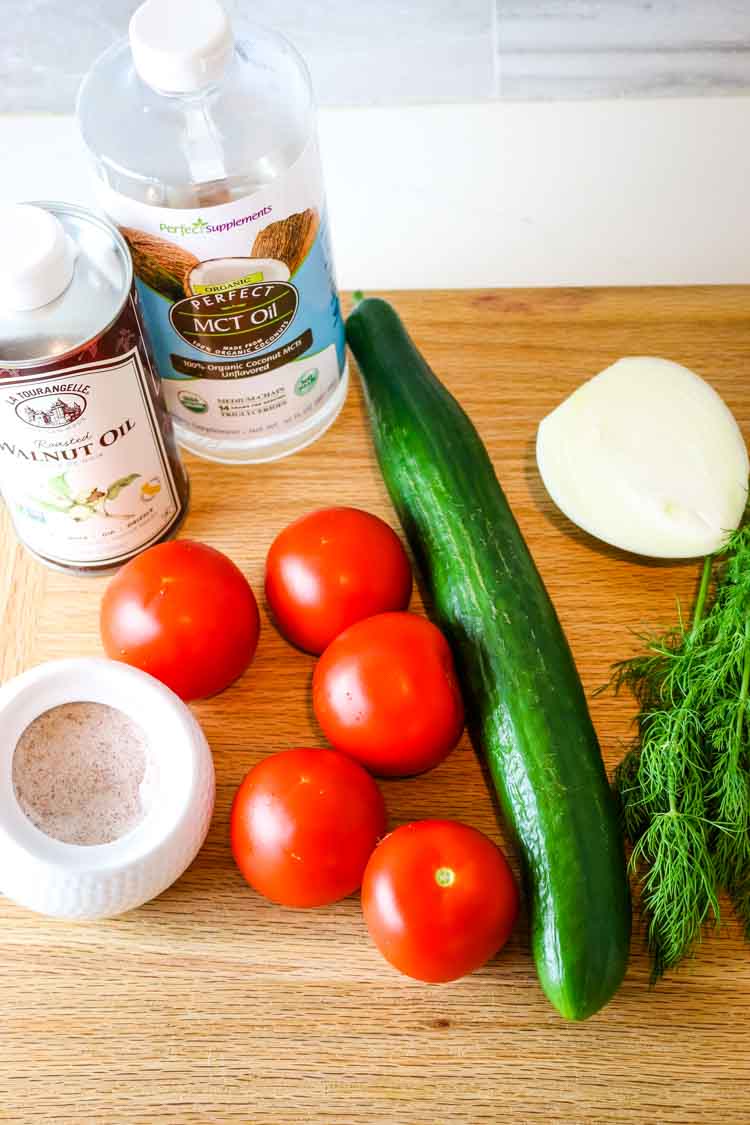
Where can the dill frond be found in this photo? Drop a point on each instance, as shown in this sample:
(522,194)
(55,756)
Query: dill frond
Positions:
(684,787)
(678,886)
(726,706)
(661,786)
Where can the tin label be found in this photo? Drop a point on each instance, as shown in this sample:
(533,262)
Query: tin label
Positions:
(83,466)
(241,304)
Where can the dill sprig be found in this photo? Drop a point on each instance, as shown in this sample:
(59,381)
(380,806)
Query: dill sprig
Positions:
(684,786)
(725,719)
(662,789)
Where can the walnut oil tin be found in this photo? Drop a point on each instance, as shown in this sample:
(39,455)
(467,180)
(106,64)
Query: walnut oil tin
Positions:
(89,468)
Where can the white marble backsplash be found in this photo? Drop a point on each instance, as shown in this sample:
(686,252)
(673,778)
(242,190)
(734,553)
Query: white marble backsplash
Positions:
(611,48)
(380,52)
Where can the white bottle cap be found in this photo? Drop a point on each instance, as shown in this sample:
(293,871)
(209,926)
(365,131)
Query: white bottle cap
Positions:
(38,257)
(180,46)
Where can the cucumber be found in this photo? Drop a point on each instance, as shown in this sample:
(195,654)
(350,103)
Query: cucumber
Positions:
(527,710)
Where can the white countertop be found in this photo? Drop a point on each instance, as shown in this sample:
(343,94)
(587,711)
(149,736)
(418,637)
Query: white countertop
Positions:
(499,194)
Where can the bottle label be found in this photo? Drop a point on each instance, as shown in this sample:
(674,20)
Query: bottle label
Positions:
(241,304)
(83,467)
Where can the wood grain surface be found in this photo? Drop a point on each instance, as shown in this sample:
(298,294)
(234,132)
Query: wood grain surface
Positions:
(210,1004)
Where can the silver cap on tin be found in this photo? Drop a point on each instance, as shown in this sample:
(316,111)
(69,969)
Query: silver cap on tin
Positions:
(180,46)
(38,257)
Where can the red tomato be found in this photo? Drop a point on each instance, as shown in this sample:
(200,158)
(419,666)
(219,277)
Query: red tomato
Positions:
(385,691)
(183,612)
(439,899)
(332,568)
(304,823)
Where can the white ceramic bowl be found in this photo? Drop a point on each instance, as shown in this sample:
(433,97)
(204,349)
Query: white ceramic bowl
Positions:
(76,881)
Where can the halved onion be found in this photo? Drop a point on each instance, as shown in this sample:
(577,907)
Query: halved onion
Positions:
(647,457)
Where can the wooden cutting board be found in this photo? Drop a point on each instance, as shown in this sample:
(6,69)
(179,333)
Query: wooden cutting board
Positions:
(210,1004)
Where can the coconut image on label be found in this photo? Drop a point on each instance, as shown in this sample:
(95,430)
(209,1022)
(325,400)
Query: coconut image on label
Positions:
(219,274)
(159,263)
(290,239)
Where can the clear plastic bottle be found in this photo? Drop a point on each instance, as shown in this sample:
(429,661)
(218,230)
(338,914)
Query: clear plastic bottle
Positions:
(206,158)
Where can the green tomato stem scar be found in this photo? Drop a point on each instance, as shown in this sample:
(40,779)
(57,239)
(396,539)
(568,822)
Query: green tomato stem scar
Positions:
(445,877)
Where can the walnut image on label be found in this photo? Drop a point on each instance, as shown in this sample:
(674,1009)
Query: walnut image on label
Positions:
(288,240)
